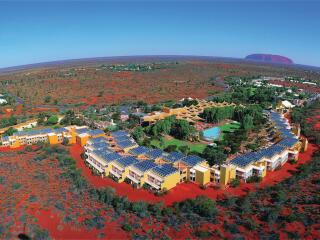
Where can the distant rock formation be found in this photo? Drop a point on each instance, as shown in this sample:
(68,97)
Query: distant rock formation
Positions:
(269,58)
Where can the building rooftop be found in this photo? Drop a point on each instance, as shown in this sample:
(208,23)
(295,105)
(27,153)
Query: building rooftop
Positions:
(164,170)
(96,132)
(60,130)
(154,153)
(139,150)
(192,160)
(96,140)
(122,138)
(127,161)
(288,142)
(144,166)
(246,159)
(174,156)
(33,132)
(119,133)
(126,144)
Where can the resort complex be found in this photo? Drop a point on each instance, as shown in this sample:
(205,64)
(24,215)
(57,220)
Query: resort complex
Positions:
(119,156)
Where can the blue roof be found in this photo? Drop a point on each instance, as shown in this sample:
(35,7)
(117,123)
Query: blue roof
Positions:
(246,159)
(112,156)
(125,144)
(97,140)
(164,170)
(100,145)
(288,142)
(5,138)
(122,138)
(102,154)
(82,130)
(33,132)
(144,166)
(139,150)
(154,153)
(127,161)
(119,133)
(174,156)
(192,160)
(96,132)
(60,130)
(272,150)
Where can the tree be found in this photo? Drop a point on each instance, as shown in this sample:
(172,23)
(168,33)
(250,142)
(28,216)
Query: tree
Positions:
(171,148)
(47,99)
(52,120)
(71,119)
(116,116)
(181,129)
(184,149)
(247,122)
(10,131)
(214,155)
(138,133)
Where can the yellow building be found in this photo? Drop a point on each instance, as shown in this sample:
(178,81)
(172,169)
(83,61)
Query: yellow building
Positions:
(201,174)
(83,134)
(138,172)
(226,174)
(47,135)
(119,169)
(163,177)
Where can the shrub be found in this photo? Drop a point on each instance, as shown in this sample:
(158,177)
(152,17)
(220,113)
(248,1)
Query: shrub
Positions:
(1,179)
(16,186)
(126,227)
(235,183)
(292,161)
(28,149)
(254,179)
(203,234)
(33,198)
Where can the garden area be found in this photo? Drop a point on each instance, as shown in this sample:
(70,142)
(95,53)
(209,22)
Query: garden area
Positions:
(175,144)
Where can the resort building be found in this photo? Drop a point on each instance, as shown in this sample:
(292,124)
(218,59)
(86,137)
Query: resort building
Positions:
(119,169)
(85,133)
(162,177)
(138,172)
(47,135)
(98,160)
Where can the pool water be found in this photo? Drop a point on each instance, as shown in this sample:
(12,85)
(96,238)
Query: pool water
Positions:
(211,134)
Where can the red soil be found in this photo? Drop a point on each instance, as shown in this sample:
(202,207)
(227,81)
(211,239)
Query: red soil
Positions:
(48,192)
(189,190)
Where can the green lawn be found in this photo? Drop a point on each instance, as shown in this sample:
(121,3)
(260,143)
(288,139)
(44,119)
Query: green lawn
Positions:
(194,147)
(229,127)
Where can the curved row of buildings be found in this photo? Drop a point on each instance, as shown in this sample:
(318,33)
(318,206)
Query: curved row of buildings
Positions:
(117,155)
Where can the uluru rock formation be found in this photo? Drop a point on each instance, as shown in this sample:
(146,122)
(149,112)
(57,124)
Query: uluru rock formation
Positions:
(269,58)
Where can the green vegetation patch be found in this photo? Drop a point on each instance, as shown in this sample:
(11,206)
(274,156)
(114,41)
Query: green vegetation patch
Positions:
(194,147)
(229,127)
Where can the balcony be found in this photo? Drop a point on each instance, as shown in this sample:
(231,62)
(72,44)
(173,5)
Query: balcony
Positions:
(133,179)
(116,174)
(99,169)
(152,184)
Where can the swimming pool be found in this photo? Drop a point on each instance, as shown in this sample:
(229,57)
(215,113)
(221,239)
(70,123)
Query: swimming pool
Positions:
(211,134)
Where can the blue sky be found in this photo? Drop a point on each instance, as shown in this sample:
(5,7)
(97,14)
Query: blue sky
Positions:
(32,32)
